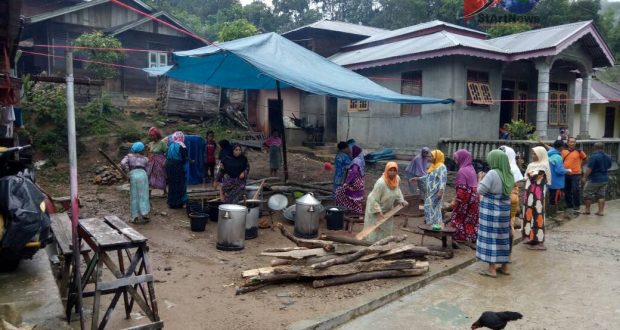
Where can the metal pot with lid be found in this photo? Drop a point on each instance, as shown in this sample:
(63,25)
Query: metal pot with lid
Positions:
(231,227)
(307,213)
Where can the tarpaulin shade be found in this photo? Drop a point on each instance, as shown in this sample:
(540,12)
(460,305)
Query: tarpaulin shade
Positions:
(259,61)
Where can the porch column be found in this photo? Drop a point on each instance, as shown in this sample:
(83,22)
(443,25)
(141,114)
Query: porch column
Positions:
(542,102)
(584,122)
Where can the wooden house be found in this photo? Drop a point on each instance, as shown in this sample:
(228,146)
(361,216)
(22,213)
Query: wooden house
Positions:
(58,23)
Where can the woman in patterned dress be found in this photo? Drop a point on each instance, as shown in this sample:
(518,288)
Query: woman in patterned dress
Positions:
(351,194)
(135,163)
(434,183)
(538,176)
(156,169)
(233,173)
(467,201)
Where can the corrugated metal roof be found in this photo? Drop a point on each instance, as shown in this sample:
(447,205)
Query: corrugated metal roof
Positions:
(596,97)
(339,26)
(537,39)
(427,43)
(414,28)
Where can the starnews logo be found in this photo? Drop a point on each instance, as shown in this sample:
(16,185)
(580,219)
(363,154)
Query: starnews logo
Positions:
(516,12)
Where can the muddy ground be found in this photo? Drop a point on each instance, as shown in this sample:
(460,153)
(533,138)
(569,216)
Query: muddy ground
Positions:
(195,283)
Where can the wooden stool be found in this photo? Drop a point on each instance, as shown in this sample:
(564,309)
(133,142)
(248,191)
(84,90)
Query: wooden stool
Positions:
(61,228)
(113,235)
(443,234)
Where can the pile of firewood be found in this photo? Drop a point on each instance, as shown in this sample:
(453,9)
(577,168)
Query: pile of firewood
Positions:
(334,260)
(106,175)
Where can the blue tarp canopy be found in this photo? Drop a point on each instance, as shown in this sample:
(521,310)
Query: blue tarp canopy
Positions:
(257,62)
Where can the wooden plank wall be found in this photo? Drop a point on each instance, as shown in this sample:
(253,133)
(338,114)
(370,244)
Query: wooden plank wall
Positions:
(182,98)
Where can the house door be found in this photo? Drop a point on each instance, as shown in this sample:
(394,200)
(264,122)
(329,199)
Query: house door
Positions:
(506,108)
(275,116)
(331,119)
(610,118)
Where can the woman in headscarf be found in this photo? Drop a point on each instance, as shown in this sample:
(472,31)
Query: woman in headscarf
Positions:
(514,196)
(342,162)
(274,145)
(467,201)
(135,163)
(493,244)
(417,168)
(176,159)
(351,194)
(381,199)
(434,184)
(538,176)
(156,169)
(233,174)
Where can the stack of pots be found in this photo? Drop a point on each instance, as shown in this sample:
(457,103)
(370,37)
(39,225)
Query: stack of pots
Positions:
(231,227)
(307,216)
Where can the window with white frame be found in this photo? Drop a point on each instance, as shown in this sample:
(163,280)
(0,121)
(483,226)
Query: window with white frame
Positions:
(158,59)
(358,105)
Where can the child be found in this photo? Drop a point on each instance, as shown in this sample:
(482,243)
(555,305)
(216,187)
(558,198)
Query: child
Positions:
(274,144)
(210,148)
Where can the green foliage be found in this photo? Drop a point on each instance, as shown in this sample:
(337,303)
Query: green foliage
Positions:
(506,29)
(519,129)
(131,134)
(45,110)
(99,40)
(236,29)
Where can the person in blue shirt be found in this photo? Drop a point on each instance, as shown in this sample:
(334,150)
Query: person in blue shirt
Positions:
(342,162)
(596,179)
(558,172)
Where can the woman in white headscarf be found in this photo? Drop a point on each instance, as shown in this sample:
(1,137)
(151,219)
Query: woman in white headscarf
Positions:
(538,176)
(514,195)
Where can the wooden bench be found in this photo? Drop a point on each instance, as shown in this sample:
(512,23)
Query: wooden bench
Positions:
(132,278)
(61,228)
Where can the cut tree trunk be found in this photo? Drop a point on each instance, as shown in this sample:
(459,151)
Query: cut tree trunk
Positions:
(344,239)
(309,243)
(286,249)
(354,256)
(345,269)
(297,254)
(367,276)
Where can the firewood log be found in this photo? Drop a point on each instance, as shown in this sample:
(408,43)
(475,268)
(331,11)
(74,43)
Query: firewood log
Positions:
(309,243)
(367,276)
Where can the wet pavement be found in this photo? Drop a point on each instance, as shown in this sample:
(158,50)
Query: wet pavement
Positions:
(32,291)
(573,285)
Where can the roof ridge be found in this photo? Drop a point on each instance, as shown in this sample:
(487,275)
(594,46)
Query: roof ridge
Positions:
(554,27)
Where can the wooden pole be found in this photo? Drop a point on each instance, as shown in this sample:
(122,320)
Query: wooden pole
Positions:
(120,170)
(280,120)
(73,179)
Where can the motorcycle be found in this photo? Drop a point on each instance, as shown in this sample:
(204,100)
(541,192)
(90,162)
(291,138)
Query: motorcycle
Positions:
(24,218)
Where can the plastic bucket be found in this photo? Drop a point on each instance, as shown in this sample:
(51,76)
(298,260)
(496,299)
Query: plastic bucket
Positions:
(197,206)
(213,210)
(334,217)
(198,221)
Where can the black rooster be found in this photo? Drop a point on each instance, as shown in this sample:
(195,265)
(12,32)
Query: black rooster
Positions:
(495,320)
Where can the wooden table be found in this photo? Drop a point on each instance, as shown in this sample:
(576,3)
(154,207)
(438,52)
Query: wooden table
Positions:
(107,238)
(443,234)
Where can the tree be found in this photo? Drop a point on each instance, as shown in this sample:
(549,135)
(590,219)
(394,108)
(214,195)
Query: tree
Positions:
(99,40)
(236,29)
(259,14)
(506,29)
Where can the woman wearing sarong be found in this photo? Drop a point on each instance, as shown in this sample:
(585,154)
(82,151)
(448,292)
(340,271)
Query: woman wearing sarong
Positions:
(351,194)
(538,175)
(233,174)
(135,163)
(274,145)
(434,185)
(417,168)
(493,243)
(176,159)
(156,169)
(467,201)
(381,199)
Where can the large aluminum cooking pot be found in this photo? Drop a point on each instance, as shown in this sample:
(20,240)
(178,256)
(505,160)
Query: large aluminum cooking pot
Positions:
(307,214)
(231,227)
(251,222)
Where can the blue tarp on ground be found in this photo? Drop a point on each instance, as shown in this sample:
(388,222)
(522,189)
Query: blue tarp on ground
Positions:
(257,62)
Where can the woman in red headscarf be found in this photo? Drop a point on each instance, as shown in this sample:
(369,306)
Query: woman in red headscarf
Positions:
(156,169)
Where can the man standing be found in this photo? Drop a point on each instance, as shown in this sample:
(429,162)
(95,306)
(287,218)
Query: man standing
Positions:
(573,160)
(558,172)
(596,178)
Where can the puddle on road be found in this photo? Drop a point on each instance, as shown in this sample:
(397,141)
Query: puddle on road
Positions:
(448,315)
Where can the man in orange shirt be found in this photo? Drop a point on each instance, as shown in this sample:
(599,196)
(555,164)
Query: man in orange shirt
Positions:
(573,160)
